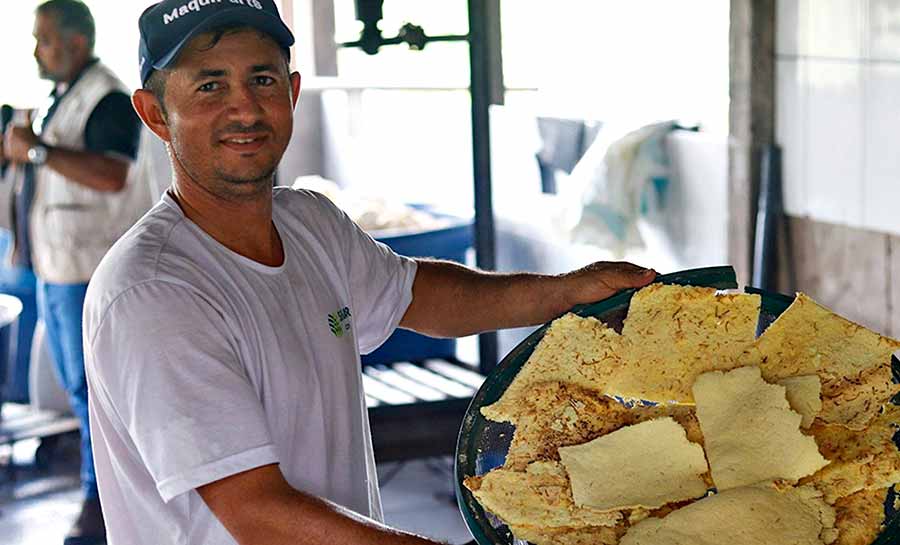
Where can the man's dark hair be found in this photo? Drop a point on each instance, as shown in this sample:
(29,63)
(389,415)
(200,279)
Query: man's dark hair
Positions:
(156,82)
(71,16)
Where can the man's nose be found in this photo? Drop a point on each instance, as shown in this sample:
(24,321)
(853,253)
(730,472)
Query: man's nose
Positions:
(244,104)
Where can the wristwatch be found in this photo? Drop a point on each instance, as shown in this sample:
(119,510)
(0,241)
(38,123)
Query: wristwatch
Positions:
(37,154)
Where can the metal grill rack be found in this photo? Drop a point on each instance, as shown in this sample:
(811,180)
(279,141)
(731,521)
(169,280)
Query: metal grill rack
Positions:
(416,408)
(20,422)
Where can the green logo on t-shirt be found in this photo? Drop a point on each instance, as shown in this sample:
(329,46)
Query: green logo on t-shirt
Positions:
(339,321)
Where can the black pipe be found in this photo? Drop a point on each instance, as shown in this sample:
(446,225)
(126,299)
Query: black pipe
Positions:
(482,92)
(768,220)
(485,246)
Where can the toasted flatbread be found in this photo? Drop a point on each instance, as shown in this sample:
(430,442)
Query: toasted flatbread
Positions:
(853,362)
(556,415)
(673,334)
(860,517)
(575,350)
(539,496)
(860,459)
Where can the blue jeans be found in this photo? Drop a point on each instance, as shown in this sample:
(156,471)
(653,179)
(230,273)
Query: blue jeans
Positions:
(20,282)
(60,306)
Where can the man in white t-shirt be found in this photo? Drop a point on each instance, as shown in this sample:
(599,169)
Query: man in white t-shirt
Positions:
(222,333)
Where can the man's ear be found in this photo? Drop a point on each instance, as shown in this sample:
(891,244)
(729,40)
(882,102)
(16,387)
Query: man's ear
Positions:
(151,113)
(295,87)
(79,42)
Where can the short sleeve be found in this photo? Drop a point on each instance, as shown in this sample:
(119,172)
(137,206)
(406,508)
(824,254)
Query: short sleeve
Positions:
(380,282)
(113,127)
(168,367)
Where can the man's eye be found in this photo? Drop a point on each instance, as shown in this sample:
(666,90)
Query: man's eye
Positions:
(264,81)
(208,87)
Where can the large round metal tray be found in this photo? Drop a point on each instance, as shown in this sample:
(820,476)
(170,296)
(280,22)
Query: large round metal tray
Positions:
(483,444)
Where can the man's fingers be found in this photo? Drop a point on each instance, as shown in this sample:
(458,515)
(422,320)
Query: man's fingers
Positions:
(631,279)
(622,275)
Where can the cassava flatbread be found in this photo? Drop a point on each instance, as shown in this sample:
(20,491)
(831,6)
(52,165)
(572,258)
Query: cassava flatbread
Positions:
(556,415)
(860,517)
(539,496)
(575,350)
(853,362)
(750,432)
(673,334)
(645,465)
(758,515)
(804,395)
(860,459)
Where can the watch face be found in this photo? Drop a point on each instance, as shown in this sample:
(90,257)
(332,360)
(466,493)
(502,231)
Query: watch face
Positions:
(37,155)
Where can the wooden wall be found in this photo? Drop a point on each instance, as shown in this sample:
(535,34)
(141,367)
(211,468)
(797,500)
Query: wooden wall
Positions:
(850,270)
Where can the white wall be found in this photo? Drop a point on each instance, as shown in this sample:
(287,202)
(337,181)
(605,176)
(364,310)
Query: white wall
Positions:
(838,110)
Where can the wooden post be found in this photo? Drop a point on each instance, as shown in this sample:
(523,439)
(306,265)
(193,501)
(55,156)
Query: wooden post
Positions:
(752,120)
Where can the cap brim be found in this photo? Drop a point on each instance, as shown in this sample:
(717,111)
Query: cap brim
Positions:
(260,20)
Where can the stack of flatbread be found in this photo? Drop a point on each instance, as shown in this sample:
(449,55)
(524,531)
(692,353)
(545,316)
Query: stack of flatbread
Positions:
(687,429)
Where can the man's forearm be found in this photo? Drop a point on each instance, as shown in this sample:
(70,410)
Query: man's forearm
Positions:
(96,171)
(295,518)
(450,300)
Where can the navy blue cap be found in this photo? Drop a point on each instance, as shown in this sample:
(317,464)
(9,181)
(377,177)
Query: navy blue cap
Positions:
(168,26)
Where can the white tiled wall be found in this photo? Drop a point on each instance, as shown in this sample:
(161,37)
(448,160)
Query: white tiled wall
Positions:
(838,110)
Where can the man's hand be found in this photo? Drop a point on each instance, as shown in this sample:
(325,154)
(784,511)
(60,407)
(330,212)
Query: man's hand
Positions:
(18,140)
(600,280)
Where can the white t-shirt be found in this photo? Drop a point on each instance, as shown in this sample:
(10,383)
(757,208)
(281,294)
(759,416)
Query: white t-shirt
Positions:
(202,363)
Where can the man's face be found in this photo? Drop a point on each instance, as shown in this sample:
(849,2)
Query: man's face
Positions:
(229,112)
(53,51)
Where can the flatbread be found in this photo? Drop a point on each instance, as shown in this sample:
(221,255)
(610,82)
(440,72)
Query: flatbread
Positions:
(804,395)
(556,415)
(750,432)
(673,334)
(860,517)
(645,465)
(539,496)
(575,350)
(759,515)
(859,459)
(808,338)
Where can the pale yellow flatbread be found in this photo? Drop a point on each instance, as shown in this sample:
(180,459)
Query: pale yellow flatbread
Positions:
(808,338)
(556,415)
(750,432)
(756,515)
(576,350)
(804,395)
(539,496)
(863,459)
(860,517)
(674,333)
(645,465)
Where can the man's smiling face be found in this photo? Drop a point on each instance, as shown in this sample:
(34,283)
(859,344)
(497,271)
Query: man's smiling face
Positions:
(229,111)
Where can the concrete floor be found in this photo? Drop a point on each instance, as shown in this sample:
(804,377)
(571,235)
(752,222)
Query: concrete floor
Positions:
(37,506)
